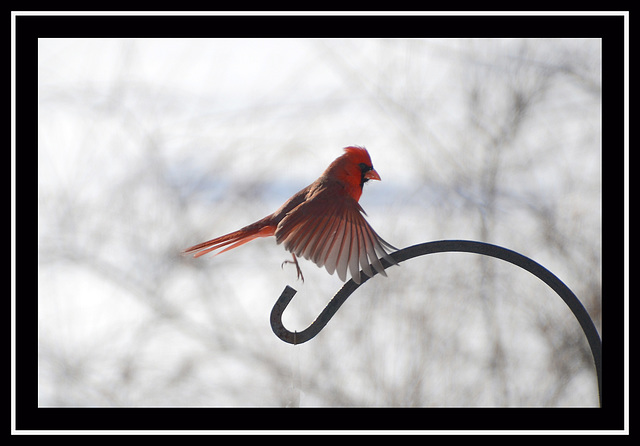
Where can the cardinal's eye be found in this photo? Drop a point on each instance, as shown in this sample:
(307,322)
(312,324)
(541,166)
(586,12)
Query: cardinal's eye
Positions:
(364,168)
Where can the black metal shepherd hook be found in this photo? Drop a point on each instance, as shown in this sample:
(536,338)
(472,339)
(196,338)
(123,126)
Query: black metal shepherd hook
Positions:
(487,249)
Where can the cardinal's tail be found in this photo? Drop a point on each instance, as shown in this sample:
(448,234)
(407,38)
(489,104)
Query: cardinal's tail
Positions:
(232,240)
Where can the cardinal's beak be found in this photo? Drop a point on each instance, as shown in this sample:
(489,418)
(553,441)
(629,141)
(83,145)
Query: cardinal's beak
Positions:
(372,175)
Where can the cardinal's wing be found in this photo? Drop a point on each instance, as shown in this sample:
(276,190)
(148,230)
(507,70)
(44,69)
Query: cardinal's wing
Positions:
(332,232)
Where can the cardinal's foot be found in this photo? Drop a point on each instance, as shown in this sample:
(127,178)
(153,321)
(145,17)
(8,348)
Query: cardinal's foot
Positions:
(295,262)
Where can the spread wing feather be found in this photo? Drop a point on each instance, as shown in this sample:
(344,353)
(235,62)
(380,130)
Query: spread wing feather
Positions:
(333,233)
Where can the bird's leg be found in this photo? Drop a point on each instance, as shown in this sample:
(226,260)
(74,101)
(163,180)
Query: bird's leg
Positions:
(295,262)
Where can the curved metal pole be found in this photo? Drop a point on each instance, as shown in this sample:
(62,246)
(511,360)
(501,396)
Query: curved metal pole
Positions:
(487,249)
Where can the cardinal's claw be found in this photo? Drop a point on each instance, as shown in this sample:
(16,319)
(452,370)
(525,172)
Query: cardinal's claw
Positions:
(295,262)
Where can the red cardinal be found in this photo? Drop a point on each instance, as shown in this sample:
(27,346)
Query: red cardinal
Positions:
(323,222)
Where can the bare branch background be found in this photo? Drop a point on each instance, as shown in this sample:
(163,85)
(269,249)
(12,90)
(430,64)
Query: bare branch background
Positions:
(149,146)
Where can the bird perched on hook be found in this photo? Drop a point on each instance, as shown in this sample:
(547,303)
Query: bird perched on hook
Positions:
(323,222)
